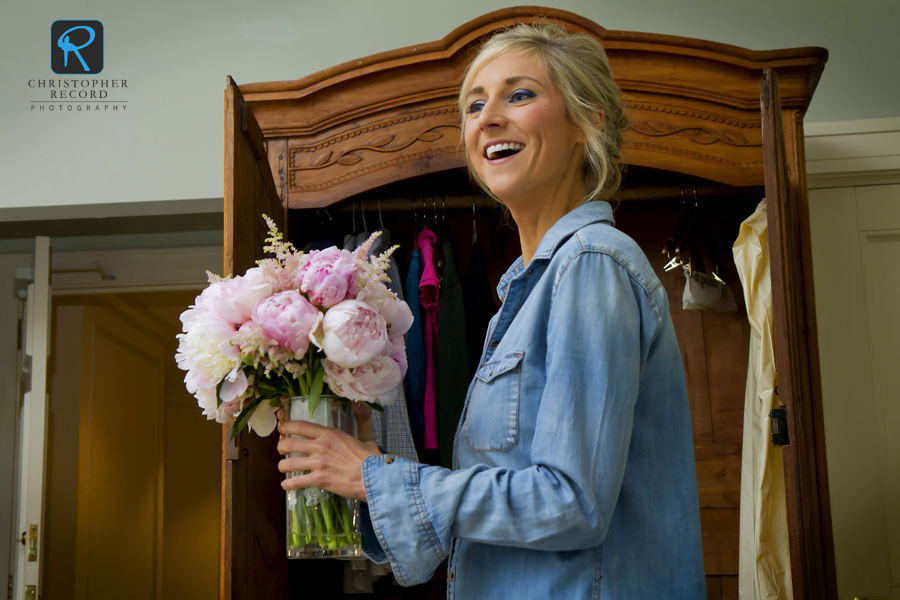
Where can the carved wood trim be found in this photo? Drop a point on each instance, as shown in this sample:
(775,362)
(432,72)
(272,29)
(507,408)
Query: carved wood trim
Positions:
(691,154)
(709,116)
(699,135)
(380,144)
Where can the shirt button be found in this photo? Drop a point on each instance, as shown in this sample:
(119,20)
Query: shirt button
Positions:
(389,460)
(450,576)
(495,343)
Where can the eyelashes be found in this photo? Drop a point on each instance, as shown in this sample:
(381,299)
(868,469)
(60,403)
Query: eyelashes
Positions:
(517,96)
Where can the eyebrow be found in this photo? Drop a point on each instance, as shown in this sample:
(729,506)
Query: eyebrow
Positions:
(509,81)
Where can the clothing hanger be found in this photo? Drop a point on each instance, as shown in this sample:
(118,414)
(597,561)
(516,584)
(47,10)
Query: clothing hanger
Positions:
(380,220)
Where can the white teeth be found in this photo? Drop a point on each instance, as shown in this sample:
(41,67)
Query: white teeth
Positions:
(493,150)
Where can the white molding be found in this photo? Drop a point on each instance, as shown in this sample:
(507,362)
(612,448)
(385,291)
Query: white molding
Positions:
(112,209)
(852,153)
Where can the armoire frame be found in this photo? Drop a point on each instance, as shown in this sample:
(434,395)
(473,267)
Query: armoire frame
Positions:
(705,109)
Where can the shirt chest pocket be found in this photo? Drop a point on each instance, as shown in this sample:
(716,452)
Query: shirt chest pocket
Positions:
(492,417)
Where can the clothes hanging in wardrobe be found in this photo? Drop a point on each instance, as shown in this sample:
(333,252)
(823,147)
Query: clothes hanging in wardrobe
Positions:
(453,367)
(764,565)
(429,286)
(415,352)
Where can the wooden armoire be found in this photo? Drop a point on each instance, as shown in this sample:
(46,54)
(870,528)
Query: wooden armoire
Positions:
(712,124)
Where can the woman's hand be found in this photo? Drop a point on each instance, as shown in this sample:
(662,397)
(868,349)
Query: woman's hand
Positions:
(333,458)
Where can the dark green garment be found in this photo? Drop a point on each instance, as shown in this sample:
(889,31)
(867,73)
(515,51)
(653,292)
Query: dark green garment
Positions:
(453,357)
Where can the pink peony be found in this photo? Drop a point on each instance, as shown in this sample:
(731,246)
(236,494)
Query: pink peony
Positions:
(352,334)
(234,388)
(375,381)
(396,349)
(397,316)
(287,318)
(327,276)
(230,299)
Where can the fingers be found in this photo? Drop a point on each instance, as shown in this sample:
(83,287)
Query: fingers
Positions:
(304,428)
(296,445)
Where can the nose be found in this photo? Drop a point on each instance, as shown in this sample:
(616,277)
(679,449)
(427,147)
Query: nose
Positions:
(492,114)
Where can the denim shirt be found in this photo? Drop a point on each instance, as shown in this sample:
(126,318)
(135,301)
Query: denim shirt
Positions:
(573,459)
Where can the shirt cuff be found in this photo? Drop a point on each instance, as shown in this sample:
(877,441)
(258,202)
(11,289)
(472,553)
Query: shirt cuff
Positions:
(397,518)
(371,547)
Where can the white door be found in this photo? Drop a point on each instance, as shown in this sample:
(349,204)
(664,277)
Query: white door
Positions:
(31,447)
(856,260)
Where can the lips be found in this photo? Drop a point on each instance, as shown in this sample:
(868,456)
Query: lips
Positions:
(500,150)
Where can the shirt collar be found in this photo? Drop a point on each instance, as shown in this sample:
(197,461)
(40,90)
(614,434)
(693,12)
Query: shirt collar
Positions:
(590,212)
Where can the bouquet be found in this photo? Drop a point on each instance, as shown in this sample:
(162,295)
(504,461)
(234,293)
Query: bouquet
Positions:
(298,324)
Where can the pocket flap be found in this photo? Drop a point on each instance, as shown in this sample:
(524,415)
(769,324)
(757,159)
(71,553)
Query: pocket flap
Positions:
(496,368)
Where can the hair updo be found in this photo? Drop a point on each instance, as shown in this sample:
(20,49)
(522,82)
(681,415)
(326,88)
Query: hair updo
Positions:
(577,64)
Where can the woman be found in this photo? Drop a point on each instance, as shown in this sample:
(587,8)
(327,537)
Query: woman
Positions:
(574,449)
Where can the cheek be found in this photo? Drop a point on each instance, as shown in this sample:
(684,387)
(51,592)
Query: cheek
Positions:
(471,139)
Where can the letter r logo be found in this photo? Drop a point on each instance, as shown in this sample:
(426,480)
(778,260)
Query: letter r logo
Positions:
(76,47)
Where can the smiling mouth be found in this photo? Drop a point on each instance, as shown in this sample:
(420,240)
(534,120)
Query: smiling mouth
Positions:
(503,150)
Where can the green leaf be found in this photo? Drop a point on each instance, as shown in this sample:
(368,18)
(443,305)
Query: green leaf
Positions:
(244,417)
(373,406)
(219,393)
(268,387)
(315,391)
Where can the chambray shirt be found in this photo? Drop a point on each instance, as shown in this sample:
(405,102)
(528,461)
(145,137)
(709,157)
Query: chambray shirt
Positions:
(573,459)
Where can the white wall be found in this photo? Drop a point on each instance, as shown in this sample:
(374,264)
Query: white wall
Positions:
(175,55)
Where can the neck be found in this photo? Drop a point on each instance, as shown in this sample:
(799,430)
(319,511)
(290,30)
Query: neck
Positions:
(535,218)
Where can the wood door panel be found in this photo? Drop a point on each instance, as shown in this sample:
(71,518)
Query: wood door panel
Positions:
(254,562)
(719,528)
(796,349)
(719,474)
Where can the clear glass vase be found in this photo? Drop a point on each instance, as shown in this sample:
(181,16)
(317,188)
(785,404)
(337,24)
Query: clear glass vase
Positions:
(321,524)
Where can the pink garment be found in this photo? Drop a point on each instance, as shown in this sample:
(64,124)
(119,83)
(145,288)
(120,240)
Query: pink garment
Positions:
(428,289)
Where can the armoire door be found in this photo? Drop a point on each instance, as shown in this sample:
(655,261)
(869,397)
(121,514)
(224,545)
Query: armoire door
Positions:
(796,348)
(254,563)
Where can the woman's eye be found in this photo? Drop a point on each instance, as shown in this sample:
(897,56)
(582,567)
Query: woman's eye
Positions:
(520,95)
(475,107)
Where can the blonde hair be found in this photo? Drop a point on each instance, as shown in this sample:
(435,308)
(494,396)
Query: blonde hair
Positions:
(578,66)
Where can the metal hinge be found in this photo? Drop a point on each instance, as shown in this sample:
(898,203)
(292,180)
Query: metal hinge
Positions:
(778,418)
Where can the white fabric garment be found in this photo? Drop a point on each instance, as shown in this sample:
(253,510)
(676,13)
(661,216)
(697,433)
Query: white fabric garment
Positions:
(764,565)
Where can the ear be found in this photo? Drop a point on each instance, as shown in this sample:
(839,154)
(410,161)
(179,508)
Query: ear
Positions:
(598,120)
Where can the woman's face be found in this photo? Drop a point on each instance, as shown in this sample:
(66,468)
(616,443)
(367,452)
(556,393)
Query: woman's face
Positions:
(517,134)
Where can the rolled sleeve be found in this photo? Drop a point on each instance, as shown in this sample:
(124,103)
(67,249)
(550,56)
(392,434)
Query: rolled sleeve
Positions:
(398,519)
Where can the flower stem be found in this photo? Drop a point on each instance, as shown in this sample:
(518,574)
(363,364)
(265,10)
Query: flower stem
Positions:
(295,520)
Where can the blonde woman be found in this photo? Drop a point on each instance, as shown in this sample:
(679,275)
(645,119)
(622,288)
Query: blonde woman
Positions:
(574,455)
